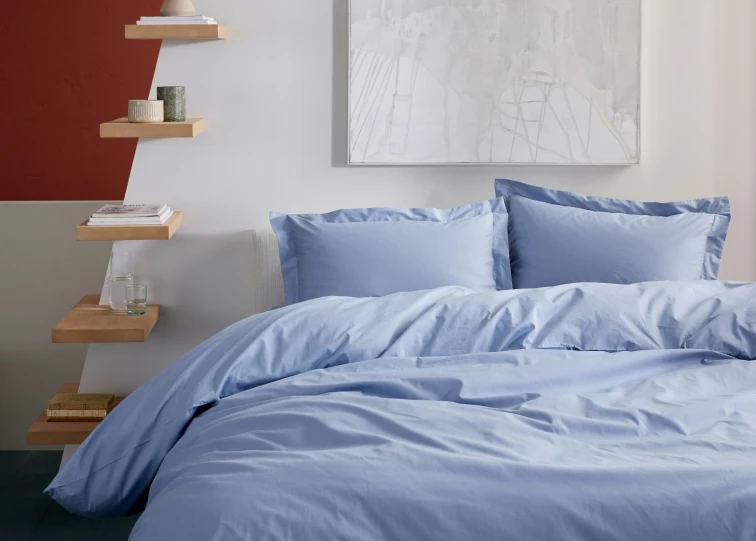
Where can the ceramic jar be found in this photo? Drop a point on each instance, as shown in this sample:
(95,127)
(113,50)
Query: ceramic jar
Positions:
(174,102)
(145,110)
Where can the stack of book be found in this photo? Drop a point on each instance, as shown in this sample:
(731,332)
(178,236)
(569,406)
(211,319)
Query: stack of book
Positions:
(122,215)
(79,407)
(185,19)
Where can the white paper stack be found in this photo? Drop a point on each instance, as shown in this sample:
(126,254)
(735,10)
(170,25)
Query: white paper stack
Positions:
(131,215)
(186,19)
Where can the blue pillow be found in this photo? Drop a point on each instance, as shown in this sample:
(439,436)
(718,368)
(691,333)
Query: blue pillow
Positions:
(560,237)
(375,252)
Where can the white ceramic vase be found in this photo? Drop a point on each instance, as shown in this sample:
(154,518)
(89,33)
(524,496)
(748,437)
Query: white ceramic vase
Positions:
(175,8)
(146,110)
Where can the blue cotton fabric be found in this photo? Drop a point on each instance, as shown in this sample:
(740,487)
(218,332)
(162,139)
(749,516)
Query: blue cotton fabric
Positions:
(577,412)
(378,251)
(559,237)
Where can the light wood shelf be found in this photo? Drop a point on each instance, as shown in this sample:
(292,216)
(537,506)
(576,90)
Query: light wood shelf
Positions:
(86,232)
(122,128)
(90,323)
(42,432)
(176,31)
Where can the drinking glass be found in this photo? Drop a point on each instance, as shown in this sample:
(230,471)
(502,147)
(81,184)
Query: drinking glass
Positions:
(121,276)
(136,299)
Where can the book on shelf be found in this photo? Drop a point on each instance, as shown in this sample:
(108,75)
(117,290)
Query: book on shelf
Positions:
(175,18)
(188,19)
(81,401)
(155,220)
(130,211)
(76,415)
(79,407)
(176,23)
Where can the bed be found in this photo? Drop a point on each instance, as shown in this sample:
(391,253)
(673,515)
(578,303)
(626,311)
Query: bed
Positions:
(586,411)
(580,411)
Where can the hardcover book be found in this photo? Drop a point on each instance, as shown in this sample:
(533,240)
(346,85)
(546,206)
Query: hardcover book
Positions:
(131,211)
(76,415)
(119,221)
(79,407)
(81,402)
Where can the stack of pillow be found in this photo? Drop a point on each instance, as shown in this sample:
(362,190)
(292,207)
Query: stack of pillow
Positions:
(527,237)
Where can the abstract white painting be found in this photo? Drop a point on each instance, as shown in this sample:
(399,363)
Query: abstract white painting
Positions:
(494,81)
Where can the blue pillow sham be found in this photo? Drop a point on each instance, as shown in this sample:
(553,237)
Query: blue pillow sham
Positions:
(373,252)
(558,237)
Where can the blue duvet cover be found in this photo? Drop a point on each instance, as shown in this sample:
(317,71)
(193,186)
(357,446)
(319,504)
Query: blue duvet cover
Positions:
(579,412)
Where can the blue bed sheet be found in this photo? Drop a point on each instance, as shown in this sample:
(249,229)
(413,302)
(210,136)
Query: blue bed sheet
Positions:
(577,412)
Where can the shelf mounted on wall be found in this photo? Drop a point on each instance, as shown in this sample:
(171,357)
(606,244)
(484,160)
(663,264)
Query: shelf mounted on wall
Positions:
(42,432)
(176,31)
(86,232)
(89,322)
(122,128)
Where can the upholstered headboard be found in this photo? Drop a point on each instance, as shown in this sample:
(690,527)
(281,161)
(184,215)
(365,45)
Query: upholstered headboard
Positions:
(267,283)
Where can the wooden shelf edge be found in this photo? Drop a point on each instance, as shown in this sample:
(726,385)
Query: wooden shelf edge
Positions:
(174,31)
(42,432)
(121,128)
(91,323)
(94,233)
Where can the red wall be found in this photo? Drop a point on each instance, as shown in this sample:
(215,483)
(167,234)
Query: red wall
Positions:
(65,67)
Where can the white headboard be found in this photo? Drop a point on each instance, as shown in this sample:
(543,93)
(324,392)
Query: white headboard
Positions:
(267,284)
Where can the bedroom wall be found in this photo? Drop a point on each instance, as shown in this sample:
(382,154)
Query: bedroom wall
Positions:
(66,67)
(274,99)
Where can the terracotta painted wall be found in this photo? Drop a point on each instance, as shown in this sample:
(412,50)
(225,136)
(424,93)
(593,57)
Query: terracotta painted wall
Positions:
(65,67)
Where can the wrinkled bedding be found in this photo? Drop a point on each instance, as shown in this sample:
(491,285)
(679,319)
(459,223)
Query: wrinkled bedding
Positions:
(586,411)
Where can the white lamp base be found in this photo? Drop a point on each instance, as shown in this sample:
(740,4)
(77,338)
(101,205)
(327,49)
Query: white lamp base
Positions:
(177,8)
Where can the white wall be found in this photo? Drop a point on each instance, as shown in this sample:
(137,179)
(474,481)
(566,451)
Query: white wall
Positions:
(274,96)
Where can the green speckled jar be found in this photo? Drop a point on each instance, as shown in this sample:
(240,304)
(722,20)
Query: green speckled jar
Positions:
(174,102)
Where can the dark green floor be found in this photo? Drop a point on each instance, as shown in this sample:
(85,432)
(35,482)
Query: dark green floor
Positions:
(27,514)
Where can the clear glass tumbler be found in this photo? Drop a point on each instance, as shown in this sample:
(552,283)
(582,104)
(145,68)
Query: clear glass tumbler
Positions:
(136,299)
(121,276)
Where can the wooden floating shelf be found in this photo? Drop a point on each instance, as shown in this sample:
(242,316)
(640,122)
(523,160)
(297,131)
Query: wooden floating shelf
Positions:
(42,432)
(121,128)
(176,31)
(90,323)
(86,232)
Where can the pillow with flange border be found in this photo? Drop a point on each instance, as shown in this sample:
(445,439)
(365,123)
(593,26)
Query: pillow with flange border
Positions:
(367,252)
(558,237)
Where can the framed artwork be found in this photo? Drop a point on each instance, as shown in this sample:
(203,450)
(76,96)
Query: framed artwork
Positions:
(494,81)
